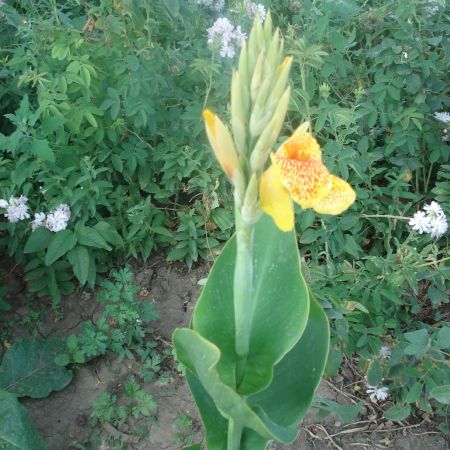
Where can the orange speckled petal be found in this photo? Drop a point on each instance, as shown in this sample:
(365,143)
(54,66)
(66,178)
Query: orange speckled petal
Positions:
(275,200)
(338,199)
(301,144)
(306,179)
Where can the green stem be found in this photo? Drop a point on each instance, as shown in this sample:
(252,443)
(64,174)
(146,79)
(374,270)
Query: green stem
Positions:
(432,263)
(234,435)
(243,295)
(385,216)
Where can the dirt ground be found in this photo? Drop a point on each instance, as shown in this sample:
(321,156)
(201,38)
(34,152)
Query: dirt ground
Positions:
(63,417)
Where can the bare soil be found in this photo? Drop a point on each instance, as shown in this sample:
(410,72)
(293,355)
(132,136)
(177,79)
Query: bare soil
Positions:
(63,417)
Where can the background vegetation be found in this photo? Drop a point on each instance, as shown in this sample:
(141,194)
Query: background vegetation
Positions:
(100,109)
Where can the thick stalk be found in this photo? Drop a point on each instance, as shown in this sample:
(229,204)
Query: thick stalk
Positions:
(234,435)
(243,295)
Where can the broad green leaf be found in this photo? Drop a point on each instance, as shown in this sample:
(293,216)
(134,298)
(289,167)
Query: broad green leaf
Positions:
(397,412)
(38,240)
(375,374)
(414,393)
(109,233)
(346,413)
(298,374)
(419,337)
(90,237)
(16,429)
(201,358)
(193,447)
(334,362)
(216,426)
(28,368)
(41,149)
(288,397)
(79,258)
(60,244)
(441,394)
(443,337)
(277,280)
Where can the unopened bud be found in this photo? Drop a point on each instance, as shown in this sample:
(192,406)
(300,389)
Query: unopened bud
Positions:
(250,212)
(238,114)
(239,188)
(239,134)
(258,121)
(270,134)
(274,54)
(222,144)
(281,80)
(243,67)
(268,27)
(257,77)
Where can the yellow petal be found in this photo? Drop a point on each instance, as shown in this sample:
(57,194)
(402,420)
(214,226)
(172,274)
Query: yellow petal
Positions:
(340,197)
(275,200)
(301,144)
(306,178)
(221,142)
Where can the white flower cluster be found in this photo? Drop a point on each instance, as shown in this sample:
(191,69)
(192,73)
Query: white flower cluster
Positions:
(377,393)
(442,116)
(385,352)
(432,7)
(16,208)
(56,220)
(213,5)
(253,8)
(431,220)
(224,32)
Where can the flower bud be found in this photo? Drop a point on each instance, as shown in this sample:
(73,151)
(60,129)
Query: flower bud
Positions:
(222,143)
(270,134)
(257,77)
(250,212)
(281,80)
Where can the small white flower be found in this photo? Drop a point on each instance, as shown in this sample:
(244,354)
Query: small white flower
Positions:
(39,221)
(222,28)
(434,209)
(239,36)
(256,8)
(405,55)
(223,32)
(432,7)
(377,393)
(385,352)
(213,5)
(17,209)
(431,220)
(438,227)
(442,116)
(420,222)
(227,51)
(3,202)
(58,218)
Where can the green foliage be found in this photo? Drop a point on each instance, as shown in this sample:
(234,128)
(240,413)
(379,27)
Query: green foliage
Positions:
(16,429)
(370,78)
(121,328)
(135,404)
(183,429)
(28,368)
(100,110)
(275,390)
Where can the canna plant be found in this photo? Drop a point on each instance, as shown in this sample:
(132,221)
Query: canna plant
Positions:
(258,341)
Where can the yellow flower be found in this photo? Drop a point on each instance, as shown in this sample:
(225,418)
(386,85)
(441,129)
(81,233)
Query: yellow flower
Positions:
(222,143)
(297,173)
